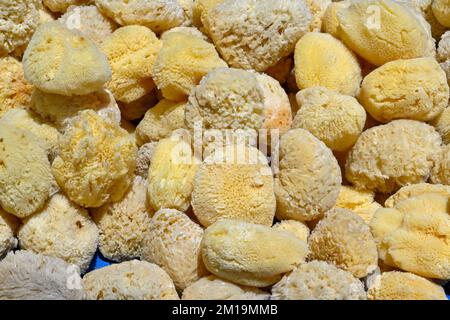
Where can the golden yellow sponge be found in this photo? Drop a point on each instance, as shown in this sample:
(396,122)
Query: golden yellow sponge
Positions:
(131,52)
(173,242)
(234,183)
(182,62)
(298,228)
(251,254)
(441,10)
(361,202)
(96,160)
(336,119)
(200,10)
(442,125)
(309,178)
(330,22)
(63,230)
(131,280)
(396,285)
(344,239)
(256,34)
(414,89)
(414,190)
(123,224)
(382,30)
(393,155)
(8,228)
(441,169)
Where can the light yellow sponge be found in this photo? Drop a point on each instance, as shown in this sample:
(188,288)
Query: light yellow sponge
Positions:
(442,125)
(441,169)
(361,202)
(414,190)
(298,228)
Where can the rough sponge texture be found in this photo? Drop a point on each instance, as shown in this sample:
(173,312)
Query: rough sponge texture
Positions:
(330,22)
(396,285)
(361,202)
(441,10)
(189,31)
(62,230)
(443,53)
(309,178)
(319,280)
(333,118)
(237,187)
(62,61)
(26,180)
(256,34)
(382,30)
(18,21)
(442,125)
(182,62)
(158,15)
(298,228)
(173,243)
(213,288)
(390,156)
(322,60)
(251,254)
(441,169)
(122,224)
(414,190)
(414,89)
(96,160)
(200,10)
(15,91)
(343,238)
(131,52)
(317,8)
(29,276)
(132,280)
(144,159)
(63,5)
(8,228)
(171,174)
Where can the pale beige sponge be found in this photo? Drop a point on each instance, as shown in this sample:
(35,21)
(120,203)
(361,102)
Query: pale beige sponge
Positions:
(441,169)
(182,62)
(414,190)
(136,110)
(317,9)
(26,180)
(413,89)
(63,230)
(173,242)
(382,30)
(235,182)
(171,174)
(251,254)
(15,91)
(188,8)
(131,280)
(256,34)
(397,285)
(309,178)
(361,202)
(158,15)
(337,120)
(442,125)
(29,276)
(144,159)
(45,15)
(322,60)
(18,21)
(298,228)
(282,70)
(188,31)
(214,288)
(62,61)
(61,110)
(8,228)
(131,52)
(414,235)
(122,224)
(96,160)
(393,155)
(319,280)
(63,5)
(89,21)
(344,239)
(161,121)
(443,54)
(441,10)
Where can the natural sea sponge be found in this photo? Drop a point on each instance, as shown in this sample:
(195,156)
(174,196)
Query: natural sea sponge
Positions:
(251,254)
(189,31)
(414,190)
(131,52)
(441,10)
(317,9)
(390,156)
(330,22)
(63,230)
(62,61)
(343,238)
(173,242)
(132,280)
(29,276)
(382,30)
(443,53)
(319,280)
(234,183)
(8,228)
(158,15)
(213,288)
(256,34)
(414,89)
(442,125)
(122,224)
(336,119)
(361,202)
(309,178)
(298,228)
(441,169)
(96,160)
(63,5)
(200,9)
(322,60)
(144,159)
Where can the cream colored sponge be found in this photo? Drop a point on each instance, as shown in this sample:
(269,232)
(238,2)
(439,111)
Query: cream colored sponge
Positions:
(63,5)
(298,228)
(442,125)
(414,190)
(361,202)
(62,61)
(251,254)
(8,228)
(441,170)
